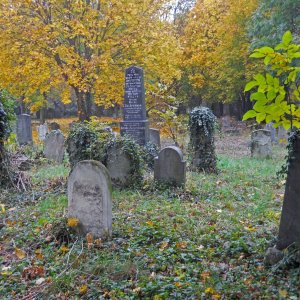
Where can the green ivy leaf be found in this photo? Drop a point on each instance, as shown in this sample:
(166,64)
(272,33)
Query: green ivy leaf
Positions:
(260,117)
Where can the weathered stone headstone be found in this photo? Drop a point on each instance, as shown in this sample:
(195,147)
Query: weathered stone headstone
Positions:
(261,144)
(54,146)
(282,135)
(154,136)
(24,129)
(170,167)
(271,128)
(42,131)
(118,165)
(135,122)
(89,197)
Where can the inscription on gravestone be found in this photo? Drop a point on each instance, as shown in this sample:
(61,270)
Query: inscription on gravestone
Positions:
(135,122)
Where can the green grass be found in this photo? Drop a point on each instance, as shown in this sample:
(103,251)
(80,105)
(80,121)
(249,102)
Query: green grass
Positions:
(207,241)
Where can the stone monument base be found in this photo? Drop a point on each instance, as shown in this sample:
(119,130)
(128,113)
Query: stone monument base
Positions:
(137,130)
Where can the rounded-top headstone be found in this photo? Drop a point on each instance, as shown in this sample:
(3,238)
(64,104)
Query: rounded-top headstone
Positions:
(169,166)
(89,198)
(261,143)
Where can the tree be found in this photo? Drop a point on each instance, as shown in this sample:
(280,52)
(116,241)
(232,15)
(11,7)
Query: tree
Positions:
(277,95)
(215,49)
(84,45)
(271,19)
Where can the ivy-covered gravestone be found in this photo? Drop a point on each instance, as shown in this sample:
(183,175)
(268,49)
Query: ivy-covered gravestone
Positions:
(5,176)
(202,146)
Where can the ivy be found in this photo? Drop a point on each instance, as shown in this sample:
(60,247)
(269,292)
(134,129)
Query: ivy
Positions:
(202,127)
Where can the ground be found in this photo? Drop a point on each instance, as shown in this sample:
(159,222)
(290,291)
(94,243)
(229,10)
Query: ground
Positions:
(205,242)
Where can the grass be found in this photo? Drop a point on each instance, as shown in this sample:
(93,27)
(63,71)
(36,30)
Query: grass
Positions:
(205,242)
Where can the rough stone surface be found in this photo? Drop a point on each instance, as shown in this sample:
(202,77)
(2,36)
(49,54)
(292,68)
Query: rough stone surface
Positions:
(169,166)
(273,131)
(54,146)
(154,136)
(261,144)
(282,135)
(89,197)
(24,129)
(289,228)
(273,256)
(135,122)
(118,165)
(42,131)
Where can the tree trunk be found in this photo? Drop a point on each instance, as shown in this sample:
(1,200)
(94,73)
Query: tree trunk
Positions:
(42,115)
(289,229)
(83,105)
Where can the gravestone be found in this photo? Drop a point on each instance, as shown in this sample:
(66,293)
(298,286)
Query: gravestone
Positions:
(271,128)
(54,146)
(170,167)
(135,122)
(119,165)
(154,136)
(282,135)
(42,131)
(24,129)
(89,198)
(261,144)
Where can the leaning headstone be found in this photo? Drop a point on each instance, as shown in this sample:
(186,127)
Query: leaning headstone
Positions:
(119,166)
(135,122)
(170,167)
(271,128)
(42,131)
(89,198)
(24,129)
(54,146)
(261,144)
(154,136)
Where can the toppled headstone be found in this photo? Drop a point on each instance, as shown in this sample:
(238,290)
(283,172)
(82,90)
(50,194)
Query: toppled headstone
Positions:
(170,167)
(24,129)
(89,198)
(135,124)
(261,144)
(42,131)
(54,146)
(154,136)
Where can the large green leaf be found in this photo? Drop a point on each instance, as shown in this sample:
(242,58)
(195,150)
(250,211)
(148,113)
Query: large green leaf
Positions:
(249,114)
(287,38)
(250,85)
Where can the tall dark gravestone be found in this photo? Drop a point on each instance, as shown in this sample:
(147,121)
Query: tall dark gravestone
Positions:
(135,122)
(24,130)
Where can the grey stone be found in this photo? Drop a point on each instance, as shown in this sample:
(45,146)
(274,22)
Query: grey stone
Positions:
(24,129)
(170,167)
(261,144)
(89,198)
(135,122)
(54,146)
(42,131)
(273,131)
(282,135)
(118,165)
(154,136)
(273,256)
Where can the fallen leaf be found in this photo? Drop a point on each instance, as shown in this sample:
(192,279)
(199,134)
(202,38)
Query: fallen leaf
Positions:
(177,284)
(73,222)
(40,281)
(150,223)
(283,293)
(205,275)
(83,289)
(209,291)
(20,253)
(64,249)
(39,254)
(163,246)
(90,239)
(181,245)
(2,208)
(98,242)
